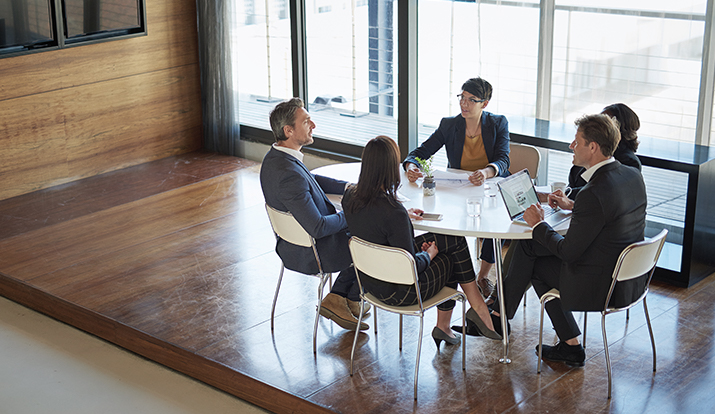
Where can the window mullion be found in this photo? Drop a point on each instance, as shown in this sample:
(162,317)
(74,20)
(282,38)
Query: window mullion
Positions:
(707,80)
(299,49)
(546,52)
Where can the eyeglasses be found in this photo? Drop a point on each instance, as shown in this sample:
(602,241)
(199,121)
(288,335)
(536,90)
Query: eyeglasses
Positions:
(472,101)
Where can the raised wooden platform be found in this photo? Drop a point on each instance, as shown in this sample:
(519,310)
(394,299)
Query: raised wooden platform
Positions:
(174,260)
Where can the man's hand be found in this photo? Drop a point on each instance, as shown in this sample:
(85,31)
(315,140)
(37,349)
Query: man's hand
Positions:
(559,199)
(415,213)
(413,172)
(534,214)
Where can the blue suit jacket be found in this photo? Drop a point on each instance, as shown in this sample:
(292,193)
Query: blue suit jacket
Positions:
(451,131)
(289,186)
(608,215)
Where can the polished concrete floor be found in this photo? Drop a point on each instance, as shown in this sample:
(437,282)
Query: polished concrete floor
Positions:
(47,366)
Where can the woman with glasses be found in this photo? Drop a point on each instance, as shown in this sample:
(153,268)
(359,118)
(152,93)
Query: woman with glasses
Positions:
(475,140)
(374,213)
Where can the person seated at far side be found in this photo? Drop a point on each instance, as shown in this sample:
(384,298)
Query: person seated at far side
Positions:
(374,214)
(288,185)
(628,124)
(607,216)
(475,140)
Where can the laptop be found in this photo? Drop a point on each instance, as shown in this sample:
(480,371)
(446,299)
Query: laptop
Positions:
(519,193)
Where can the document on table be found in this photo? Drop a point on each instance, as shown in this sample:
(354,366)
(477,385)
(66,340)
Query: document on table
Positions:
(451,179)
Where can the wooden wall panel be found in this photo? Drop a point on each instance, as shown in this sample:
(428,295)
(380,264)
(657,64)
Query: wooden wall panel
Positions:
(81,111)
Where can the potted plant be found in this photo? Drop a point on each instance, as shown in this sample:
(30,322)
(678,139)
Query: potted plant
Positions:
(428,184)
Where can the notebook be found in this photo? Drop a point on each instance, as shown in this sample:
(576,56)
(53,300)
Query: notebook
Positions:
(519,193)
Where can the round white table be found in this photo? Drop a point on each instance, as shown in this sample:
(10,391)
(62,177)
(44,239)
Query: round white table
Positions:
(450,201)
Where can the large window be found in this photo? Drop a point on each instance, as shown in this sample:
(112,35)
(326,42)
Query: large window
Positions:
(351,63)
(261,39)
(551,59)
(647,56)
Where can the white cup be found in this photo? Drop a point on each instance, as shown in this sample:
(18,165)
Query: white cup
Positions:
(474,206)
(559,185)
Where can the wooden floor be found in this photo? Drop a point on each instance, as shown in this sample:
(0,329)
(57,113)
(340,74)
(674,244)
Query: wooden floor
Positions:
(174,260)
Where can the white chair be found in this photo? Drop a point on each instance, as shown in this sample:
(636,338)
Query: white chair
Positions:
(395,265)
(636,260)
(287,228)
(524,156)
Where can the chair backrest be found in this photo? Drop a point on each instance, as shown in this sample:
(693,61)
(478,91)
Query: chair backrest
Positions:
(639,258)
(389,264)
(287,227)
(524,156)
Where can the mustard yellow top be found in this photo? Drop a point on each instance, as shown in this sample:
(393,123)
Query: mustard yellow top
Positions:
(474,156)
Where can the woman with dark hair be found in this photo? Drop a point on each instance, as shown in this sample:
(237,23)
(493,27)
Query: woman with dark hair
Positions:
(374,213)
(627,146)
(475,140)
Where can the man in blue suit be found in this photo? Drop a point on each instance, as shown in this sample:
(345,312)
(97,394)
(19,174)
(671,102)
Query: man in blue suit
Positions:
(289,186)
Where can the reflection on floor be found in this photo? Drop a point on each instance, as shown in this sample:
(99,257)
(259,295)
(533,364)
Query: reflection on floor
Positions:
(174,260)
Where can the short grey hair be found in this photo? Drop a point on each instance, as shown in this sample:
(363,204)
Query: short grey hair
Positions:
(284,114)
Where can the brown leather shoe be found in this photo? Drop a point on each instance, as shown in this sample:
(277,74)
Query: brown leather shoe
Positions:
(335,307)
(355,308)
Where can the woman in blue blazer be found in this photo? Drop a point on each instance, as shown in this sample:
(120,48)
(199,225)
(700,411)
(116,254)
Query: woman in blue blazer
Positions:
(475,140)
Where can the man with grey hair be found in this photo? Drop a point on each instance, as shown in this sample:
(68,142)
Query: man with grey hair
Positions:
(289,186)
(608,215)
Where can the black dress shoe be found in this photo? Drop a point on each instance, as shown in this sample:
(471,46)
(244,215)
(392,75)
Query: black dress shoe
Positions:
(496,321)
(470,327)
(571,355)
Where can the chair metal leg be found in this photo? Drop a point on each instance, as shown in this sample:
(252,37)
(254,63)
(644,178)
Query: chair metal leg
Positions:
(357,331)
(275,296)
(323,279)
(605,349)
(401,332)
(419,347)
(628,313)
(464,337)
(374,317)
(585,319)
(541,335)
(650,331)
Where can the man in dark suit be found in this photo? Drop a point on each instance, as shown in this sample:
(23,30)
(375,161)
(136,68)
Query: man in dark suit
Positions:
(608,215)
(289,186)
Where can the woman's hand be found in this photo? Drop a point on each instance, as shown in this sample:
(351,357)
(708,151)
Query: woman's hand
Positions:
(480,176)
(415,213)
(413,172)
(430,248)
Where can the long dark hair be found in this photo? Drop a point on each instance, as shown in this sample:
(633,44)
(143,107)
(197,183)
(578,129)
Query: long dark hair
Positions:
(628,121)
(379,174)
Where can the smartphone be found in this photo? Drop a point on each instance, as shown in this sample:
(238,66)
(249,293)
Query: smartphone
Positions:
(431,216)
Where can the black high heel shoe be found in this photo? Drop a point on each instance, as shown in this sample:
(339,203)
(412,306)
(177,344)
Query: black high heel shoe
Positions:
(473,317)
(439,335)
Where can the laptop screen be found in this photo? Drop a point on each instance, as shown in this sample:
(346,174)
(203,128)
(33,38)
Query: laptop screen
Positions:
(518,192)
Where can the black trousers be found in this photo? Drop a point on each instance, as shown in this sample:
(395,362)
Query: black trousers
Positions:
(452,266)
(533,263)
